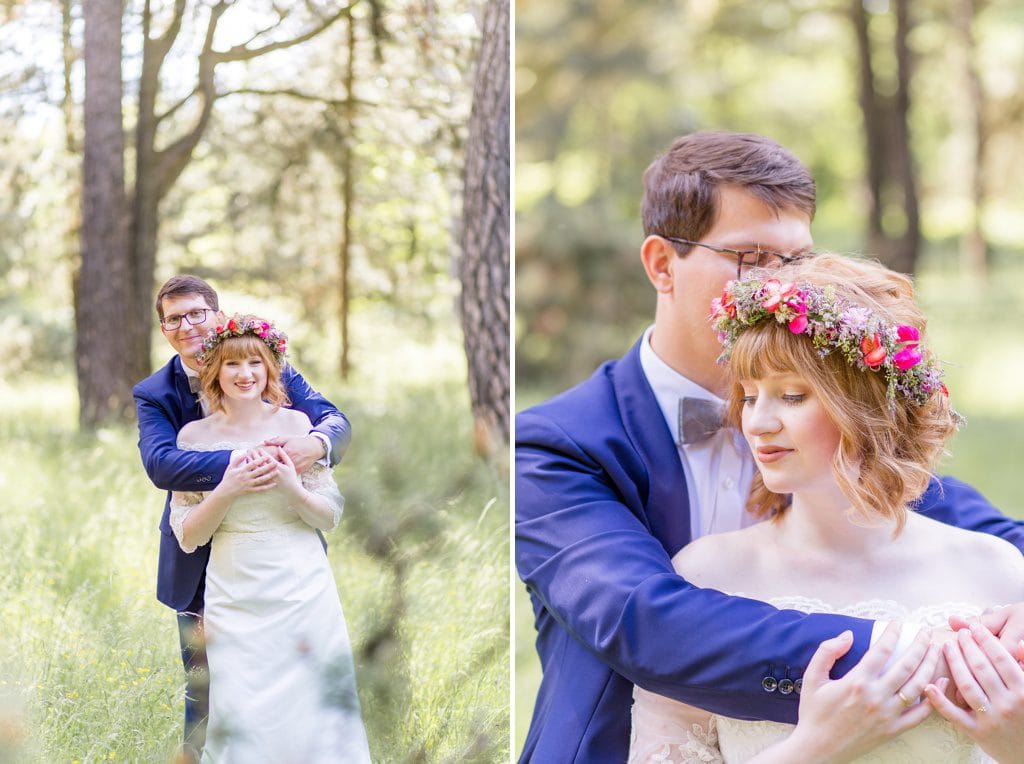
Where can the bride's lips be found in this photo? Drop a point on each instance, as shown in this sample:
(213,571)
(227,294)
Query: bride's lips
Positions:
(769,454)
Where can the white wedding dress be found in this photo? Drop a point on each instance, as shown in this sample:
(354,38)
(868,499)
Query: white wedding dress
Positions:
(668,732)
(282,681)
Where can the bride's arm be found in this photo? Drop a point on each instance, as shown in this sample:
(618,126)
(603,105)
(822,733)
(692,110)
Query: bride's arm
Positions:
(844,718)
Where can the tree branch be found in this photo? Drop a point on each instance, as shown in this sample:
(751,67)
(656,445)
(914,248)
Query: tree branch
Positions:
(244,53)
(422,109)
(161,117)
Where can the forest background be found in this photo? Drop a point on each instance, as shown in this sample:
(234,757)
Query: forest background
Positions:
(910,116)
(341,169)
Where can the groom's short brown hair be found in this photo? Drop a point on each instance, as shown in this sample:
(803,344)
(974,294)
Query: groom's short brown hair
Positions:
(681,186)
(186,284)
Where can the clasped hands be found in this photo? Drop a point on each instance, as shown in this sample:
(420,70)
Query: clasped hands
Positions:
(972,674)
(277,462)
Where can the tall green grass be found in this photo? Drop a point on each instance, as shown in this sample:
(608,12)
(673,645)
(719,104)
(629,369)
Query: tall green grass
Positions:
(89,663)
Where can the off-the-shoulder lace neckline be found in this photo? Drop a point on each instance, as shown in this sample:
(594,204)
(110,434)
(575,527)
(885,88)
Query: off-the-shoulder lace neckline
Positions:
(220,445)
(870,607)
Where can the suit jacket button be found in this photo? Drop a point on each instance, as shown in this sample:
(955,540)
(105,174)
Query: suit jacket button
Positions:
(786,686)
(769,683)
(798,685)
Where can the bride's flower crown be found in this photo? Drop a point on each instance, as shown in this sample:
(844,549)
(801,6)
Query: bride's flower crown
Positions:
(238,326)
(862,337)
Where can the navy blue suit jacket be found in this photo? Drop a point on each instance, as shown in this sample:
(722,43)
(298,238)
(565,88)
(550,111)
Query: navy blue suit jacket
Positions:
(601,508)
(164,405)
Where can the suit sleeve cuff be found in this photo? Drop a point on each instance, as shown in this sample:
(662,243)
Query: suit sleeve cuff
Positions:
(326,459)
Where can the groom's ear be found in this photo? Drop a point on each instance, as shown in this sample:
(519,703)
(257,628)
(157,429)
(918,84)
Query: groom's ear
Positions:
(221,318)
(657,255)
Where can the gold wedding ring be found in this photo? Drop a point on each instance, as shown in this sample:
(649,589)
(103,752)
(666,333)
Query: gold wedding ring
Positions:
(906,701)
(982,709)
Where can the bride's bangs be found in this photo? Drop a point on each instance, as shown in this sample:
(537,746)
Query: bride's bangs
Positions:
(246,346)
(768,349)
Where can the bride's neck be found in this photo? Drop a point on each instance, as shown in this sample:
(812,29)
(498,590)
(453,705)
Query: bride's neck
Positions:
(822,522)
(244,413)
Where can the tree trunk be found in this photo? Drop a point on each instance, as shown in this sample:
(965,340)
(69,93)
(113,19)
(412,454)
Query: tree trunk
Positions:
(347,194)
(894,228)
(102,291)
(973,246)
(874,127)
(907,243)
(484,234)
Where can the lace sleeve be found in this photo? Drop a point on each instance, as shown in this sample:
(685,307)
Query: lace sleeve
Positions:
(665,731)
(319,480)
(182,503)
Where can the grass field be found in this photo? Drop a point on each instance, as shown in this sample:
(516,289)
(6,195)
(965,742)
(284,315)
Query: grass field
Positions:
(977,328)
(89,664)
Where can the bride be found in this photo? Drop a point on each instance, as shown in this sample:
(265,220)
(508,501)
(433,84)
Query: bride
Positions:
(845,413)
(282,683)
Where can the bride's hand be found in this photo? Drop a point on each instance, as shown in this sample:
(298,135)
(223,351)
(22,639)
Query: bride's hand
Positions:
(248,472)
(991,681)
(287,476)
(844,718)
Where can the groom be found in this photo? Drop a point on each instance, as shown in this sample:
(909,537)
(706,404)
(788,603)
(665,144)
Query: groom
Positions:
(166,401)
(616,475)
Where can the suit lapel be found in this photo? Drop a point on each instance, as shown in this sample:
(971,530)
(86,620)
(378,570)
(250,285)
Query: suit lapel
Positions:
(668,502)
(189,401)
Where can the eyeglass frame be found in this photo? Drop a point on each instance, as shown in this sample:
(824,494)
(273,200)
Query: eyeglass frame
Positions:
(740,253)
(183,317)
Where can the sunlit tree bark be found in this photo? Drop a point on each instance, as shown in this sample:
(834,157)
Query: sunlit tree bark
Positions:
(484,265)
(102,288)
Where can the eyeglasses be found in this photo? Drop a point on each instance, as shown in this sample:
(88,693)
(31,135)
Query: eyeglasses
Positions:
(745,258)
(192,318)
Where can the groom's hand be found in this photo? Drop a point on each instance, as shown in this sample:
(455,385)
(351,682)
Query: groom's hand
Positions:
(1006,623)
(303,450)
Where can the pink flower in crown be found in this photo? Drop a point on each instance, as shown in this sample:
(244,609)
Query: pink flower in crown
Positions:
(724,305)
(798,323)
(776,293)
(907,358)
(873,350)
(908,334)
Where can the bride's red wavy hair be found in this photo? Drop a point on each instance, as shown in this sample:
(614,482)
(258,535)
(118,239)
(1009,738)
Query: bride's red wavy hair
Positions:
(886,452)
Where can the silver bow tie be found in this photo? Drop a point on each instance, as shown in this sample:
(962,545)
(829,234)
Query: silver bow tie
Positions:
(193,383)
(699,419)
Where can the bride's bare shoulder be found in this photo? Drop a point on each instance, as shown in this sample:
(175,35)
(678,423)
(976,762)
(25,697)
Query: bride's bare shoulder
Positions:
(993,565)
(710,561)
(296,422)
(200,431)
